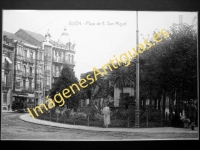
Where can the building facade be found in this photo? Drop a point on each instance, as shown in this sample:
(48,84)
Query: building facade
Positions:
(7,71)
(54,53)
(31,63)
(27,83)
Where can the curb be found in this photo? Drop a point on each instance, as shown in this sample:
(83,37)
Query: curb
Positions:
(8,111)
(27,118)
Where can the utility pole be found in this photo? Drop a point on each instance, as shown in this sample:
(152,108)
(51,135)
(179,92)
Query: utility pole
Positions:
(137,110)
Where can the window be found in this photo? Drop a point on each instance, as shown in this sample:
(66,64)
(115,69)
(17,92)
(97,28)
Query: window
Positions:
(18,50)
(72,59)
(30,85)
(65,57)
(40,56)
(24,69)
(17,84)
(30,70)
(48,68)
(38,86)
(5,78)
(24,84)
(57,71)
(31,55)
(25,53)
(3,58)
(45,68)
(49,51)
(4,98)
(53,68)
(68,58)
(48,81)
(18,66)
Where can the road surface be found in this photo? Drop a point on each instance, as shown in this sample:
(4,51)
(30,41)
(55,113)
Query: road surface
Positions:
(16,129)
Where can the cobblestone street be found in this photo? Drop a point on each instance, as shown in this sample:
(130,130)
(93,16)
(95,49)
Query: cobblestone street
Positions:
(15,129)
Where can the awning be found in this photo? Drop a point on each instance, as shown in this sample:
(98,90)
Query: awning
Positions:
(8,59)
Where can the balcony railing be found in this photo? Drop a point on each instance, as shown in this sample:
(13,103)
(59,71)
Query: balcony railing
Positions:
(18,87)
(30,90)
(70,63)
(40,61)
(58,60)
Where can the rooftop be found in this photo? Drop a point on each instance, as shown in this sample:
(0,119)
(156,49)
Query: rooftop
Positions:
(36,36)
(13,36)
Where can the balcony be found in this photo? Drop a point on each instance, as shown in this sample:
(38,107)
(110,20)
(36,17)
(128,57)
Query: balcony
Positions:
(58,60)
(70,63)
(30,90)
(39,61)
(18,87)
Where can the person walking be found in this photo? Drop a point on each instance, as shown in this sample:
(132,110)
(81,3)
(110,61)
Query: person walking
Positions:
(106,112)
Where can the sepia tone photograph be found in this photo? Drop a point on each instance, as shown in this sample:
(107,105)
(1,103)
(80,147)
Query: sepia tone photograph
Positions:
(99,75)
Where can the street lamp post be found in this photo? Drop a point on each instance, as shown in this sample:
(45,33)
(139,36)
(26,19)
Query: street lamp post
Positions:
(137,111)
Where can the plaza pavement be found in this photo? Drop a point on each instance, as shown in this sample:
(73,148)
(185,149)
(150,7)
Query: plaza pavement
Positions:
(27,118)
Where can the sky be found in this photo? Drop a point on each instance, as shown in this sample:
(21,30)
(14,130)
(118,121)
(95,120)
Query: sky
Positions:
(99,35)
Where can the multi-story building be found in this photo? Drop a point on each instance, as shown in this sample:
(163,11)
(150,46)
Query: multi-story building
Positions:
(31,63)
(56,54)
(22,79)
(7,71)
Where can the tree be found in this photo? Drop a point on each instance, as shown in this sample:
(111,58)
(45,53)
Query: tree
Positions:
(171,66)
(123,77)
(66,79)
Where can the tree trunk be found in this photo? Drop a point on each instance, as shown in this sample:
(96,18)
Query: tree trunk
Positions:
(164,103)
(88,120)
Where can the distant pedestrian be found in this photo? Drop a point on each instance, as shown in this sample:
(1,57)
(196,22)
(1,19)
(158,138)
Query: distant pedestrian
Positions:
(106,112)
